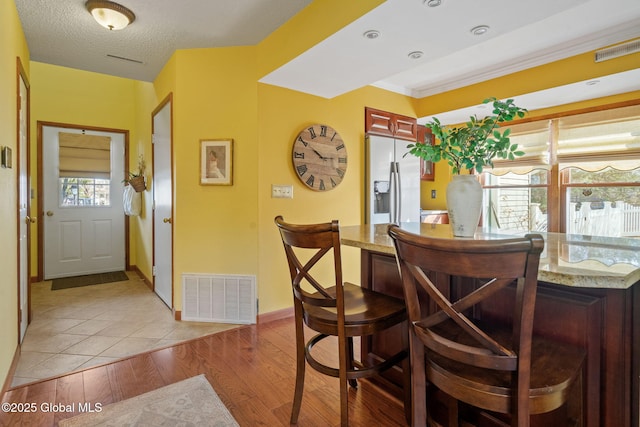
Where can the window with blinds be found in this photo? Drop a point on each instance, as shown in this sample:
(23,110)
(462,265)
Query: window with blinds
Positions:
(594,141)
(533,139)
(84,156)
(594,159)
(84,171)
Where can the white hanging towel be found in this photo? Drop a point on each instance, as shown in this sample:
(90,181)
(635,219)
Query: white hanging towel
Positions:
(132,201)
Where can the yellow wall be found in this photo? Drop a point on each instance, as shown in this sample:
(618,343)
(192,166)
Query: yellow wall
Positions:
(215,227)
(570,70)
(75,97)
(140,231)
(566,71)
(12,46)
(283,113)
(228,229)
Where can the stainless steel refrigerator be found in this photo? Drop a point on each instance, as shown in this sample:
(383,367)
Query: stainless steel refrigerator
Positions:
(392,181)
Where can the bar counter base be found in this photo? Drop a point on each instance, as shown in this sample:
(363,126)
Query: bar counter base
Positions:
(604,322)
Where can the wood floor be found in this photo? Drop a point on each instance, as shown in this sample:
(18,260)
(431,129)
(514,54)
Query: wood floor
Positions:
(251,368)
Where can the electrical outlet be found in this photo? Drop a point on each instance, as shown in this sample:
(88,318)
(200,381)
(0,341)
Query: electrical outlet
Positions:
(281,191)
(433,194)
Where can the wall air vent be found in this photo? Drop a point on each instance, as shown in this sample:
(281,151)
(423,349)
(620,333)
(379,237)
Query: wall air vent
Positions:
(627,48)
(219,298)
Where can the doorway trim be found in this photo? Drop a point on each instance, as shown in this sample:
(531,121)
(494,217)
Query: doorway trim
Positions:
(40,125)
(23,158)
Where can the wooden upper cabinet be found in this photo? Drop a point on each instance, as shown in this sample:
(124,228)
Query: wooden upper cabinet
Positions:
(384,123)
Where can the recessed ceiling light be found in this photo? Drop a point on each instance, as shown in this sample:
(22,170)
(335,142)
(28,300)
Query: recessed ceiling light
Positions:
(593,82)
(432,3)
(415,54)
(479,30)
(371,34)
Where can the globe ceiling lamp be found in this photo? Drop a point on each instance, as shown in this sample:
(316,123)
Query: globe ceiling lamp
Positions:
(110,15)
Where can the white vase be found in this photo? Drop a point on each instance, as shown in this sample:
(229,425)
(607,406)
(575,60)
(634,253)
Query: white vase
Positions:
(464,204)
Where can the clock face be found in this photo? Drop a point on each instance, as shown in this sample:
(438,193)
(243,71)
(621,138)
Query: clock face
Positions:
(320,157)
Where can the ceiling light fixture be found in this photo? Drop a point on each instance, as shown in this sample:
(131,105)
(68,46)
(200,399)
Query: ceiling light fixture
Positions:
(415,54)
(593,82)
(479,30)
(371,34)
(109,14)
(433,3)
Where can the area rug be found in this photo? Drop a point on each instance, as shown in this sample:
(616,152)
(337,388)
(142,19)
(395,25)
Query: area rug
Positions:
(188,403)
(89,279)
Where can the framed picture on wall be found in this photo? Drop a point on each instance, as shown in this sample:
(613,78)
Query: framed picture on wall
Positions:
(427,169)
(216,162)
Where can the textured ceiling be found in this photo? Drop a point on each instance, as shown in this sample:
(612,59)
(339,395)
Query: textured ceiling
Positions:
(522,34)
(63,32)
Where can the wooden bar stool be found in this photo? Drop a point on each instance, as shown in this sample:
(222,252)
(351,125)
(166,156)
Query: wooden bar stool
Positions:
(337,309)
(500,368)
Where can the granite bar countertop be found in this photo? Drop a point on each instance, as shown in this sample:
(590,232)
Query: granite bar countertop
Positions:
(570,260)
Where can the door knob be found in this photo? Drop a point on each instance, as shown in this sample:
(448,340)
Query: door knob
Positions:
(166,220)
(49,213)
(28,220)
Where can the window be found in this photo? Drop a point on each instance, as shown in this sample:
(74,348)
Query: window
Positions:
(84,170)
(516,202)
(601,203)
(84,192)
(580,175)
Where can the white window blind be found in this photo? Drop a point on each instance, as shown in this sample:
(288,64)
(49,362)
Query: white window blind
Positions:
(84,156)
(594,141)
(533,139)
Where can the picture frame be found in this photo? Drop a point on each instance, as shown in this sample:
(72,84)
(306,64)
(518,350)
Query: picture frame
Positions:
(216,162)
(427,169)
(6,157)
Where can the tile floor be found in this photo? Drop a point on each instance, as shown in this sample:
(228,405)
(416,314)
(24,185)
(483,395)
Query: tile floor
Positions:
(81,327)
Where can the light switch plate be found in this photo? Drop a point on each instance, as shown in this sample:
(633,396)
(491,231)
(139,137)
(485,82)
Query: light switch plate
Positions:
(281,191)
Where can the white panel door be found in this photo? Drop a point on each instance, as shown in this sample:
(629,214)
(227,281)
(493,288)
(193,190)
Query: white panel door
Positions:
(23,210)
(163,206)
(82,239)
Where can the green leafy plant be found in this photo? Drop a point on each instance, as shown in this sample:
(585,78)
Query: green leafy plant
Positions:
(475,144)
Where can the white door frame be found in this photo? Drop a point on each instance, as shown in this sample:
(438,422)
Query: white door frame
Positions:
(41,211)
(162,141)
(24,203)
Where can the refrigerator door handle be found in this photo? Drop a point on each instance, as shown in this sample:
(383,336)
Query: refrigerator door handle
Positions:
(394,190)
(398,195)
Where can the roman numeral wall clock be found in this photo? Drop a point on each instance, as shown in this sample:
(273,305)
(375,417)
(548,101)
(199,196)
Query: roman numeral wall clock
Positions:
(319,157)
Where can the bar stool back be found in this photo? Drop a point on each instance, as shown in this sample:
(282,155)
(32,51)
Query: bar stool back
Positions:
(336,309)
(489,366)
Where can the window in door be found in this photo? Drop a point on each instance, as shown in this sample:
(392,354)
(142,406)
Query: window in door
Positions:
(85,170)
